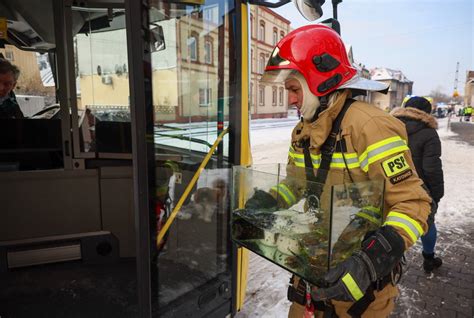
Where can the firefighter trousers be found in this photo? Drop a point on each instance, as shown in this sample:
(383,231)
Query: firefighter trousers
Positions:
(381,307)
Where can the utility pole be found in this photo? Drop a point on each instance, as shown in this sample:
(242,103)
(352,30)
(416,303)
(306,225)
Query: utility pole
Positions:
(455,92)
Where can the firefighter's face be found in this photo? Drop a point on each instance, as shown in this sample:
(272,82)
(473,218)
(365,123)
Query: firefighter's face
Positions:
(7,83)
(295,92)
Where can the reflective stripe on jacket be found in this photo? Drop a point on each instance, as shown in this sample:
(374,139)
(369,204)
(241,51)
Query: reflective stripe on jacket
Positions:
(371,146)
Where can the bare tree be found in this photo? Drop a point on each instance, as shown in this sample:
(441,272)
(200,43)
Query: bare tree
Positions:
(439,97)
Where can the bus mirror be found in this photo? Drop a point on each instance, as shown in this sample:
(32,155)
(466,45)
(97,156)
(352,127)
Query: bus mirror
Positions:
(157,39)
(310,9)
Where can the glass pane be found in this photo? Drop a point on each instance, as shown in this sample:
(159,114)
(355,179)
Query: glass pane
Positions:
(101,65)
(186,94)
(272,217)
(278,215)
(35,89)
(191,97)
(357,210)
(195,251)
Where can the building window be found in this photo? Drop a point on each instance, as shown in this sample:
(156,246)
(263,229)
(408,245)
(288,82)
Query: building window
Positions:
(281,95)
(192,48)
(275,36)
(251,94)
(208,52)
(261,95)
(252,57)
(251,26)
(261,63)
(9,56)
(274,96)
(282,35)
(261,31)
(205,97)
(208,14)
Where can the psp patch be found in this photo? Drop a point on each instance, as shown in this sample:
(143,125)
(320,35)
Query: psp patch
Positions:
(395,165)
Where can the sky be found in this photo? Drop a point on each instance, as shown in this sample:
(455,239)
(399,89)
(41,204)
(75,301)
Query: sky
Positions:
(422,38)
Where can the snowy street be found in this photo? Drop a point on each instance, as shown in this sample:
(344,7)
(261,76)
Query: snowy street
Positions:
(448,292)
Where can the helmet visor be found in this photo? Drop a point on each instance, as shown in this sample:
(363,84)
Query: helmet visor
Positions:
(276,59)
(273,72)
(277,76)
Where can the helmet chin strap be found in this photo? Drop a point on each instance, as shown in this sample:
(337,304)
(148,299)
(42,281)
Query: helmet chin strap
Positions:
(323,100)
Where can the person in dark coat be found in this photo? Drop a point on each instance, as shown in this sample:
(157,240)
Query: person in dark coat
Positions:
(425,146)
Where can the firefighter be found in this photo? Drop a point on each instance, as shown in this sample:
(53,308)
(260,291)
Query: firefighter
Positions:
(467,113)
(369,144)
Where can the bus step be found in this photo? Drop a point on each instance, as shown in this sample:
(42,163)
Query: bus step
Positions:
(91,247)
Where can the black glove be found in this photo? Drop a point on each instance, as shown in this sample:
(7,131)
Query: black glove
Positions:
(350,280)
(261,200)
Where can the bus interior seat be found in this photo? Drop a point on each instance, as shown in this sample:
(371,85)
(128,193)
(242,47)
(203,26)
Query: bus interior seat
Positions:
(30,144)
(113,136)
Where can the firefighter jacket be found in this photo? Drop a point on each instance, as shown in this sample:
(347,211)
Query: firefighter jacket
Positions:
(372,145)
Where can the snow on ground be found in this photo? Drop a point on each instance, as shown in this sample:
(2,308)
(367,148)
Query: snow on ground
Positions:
(455,209)
(271,145)
(267,283)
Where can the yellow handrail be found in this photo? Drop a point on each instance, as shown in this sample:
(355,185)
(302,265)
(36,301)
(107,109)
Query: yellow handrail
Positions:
(181,200)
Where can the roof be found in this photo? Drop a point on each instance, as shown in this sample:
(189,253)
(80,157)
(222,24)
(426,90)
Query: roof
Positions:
(276,15)
(360,68)
(384,73)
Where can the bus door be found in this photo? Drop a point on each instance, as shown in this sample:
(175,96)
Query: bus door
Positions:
(193,84)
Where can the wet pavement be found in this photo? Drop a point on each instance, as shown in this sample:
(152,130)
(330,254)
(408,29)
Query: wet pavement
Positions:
(465,131)
(449,291)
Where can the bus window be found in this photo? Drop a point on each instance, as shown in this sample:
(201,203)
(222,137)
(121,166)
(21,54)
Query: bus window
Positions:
(102,85)
(185,80)
(35,88)
(28,144)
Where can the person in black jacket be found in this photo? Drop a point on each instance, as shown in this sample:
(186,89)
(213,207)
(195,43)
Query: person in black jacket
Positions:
(425,146)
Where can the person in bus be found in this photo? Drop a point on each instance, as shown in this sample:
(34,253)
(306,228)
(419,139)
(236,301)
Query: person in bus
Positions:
(9,74)
(321,82)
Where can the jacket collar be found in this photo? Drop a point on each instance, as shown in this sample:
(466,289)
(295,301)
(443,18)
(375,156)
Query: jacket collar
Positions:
(10,98)
(415,114)
(321,128)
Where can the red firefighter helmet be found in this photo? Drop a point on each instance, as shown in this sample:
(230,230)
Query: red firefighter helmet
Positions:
(318,53)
